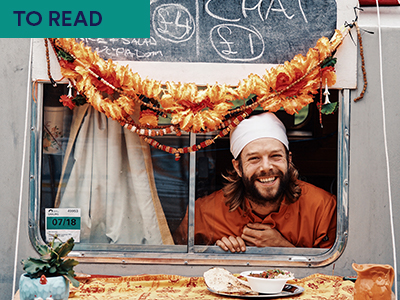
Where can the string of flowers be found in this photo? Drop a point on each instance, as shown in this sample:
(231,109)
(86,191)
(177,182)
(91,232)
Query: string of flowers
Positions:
(117,92)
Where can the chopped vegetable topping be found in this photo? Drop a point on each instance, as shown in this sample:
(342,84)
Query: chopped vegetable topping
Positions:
(272,274)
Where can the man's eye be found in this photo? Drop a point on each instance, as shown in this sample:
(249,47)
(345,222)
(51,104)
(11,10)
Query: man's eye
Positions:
(253,158)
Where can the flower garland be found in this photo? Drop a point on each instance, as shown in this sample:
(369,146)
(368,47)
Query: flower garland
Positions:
(117,92)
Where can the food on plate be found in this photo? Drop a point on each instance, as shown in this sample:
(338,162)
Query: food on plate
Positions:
(272,274)
(269,281)
(222,281)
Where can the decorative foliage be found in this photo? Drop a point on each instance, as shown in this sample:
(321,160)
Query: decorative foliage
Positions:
(51,261)
(329,108)
(117,92)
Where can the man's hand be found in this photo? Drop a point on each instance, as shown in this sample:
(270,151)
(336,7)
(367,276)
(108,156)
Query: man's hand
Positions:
(232,243)
(263,235)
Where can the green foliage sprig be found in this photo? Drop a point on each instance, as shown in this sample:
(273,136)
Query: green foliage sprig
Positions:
(52,262)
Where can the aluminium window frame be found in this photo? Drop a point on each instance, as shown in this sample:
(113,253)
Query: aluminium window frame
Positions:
(192,254)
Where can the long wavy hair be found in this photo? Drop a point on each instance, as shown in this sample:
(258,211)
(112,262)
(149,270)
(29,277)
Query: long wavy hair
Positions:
(234,189)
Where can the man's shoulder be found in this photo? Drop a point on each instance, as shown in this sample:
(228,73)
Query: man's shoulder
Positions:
(311,192)
(215,198)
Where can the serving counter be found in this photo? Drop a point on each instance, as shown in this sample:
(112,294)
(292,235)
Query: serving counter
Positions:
(157,287)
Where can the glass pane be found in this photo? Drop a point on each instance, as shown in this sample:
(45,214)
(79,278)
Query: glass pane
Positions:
(315,153)
(172,179)
(126,192)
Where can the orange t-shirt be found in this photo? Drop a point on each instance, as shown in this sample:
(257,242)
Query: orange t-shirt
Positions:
(309,222)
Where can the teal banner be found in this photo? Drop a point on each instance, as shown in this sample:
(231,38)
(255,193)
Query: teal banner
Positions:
(74,19)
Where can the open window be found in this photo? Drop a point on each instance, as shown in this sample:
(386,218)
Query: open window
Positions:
(122,199)
(131,206)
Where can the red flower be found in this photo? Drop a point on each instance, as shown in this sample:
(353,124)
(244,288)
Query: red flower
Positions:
(67,101)
(327,69)
(196,107)
(67,64)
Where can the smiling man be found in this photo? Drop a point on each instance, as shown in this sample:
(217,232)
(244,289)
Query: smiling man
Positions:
(264,204)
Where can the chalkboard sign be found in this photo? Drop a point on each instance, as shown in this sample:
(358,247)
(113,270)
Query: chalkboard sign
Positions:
(226,31)
(223,41)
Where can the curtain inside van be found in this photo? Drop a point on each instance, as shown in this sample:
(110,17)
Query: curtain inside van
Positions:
(107,173)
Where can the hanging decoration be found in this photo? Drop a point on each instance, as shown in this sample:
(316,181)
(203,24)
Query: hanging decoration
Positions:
(117,92)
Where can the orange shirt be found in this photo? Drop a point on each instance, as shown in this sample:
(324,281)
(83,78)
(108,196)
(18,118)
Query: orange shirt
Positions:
(309,222)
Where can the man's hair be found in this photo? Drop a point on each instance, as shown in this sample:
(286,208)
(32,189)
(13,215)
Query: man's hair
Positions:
(234,189)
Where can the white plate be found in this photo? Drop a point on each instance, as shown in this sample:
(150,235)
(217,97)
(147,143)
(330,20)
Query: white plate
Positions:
(288,290)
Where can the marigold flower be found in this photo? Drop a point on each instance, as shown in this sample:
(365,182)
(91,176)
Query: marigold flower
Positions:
(67,101)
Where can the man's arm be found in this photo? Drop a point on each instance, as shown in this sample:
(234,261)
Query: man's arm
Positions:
(254,234)
(263,235)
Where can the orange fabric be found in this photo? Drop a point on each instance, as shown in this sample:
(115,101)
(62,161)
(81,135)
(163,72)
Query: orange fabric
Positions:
(309,222)
(324,287)
(152,287)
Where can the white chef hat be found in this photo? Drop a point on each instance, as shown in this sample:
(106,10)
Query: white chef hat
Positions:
(265,125)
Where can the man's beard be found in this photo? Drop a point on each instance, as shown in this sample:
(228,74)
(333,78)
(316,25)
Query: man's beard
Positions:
(255,196)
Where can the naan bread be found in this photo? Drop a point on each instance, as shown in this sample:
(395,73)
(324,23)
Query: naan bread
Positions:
(223,281)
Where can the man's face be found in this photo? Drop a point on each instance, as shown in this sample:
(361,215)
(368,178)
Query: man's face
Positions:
(264,170)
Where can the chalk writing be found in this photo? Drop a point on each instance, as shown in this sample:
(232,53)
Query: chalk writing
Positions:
(218,31)
(227,41)
(275,6)
(173,22)
(127,53)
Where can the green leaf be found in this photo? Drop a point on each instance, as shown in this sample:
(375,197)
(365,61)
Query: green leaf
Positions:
(329,62)
(79,100)
(32,266)
(51,260)
(65,55)
(329,108)
(57,245)
(43,249)
(69,264)
(46,257)
(66,248)
(71,276)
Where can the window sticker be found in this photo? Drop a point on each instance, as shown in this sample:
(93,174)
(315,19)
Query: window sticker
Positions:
(63,222)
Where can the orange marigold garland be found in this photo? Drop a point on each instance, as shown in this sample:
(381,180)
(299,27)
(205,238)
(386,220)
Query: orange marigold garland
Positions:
(116,91)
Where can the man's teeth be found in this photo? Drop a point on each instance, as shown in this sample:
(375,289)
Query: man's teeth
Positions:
(266,180)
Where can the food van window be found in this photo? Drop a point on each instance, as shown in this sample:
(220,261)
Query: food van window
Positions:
(131,198)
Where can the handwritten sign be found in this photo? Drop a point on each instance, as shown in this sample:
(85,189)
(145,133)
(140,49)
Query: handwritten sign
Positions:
(209,41)
(218,31)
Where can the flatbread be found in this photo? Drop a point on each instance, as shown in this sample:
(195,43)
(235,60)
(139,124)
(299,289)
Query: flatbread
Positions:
(222,281)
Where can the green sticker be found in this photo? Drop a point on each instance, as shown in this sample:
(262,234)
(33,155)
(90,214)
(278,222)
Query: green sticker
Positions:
(63,223)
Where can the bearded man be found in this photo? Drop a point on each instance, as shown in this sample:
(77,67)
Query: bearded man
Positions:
(264,204)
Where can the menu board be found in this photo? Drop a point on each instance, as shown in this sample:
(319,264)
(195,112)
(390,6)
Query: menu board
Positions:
(220,31)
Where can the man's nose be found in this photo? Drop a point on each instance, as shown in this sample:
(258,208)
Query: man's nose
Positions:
(266,164)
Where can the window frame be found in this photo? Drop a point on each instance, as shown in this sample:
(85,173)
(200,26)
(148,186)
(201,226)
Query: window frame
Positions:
(192,254)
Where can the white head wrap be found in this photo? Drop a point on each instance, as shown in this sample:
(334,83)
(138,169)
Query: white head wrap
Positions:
(265,125)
